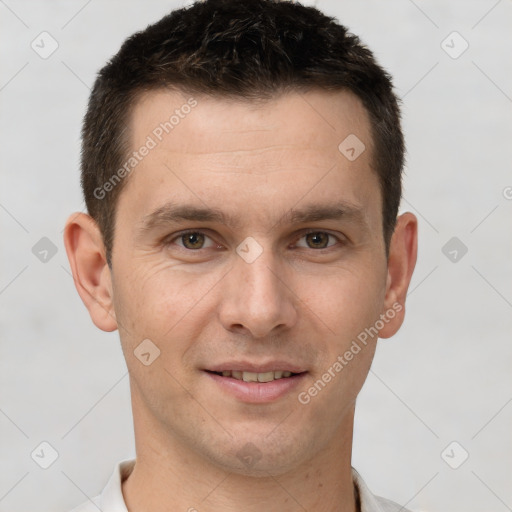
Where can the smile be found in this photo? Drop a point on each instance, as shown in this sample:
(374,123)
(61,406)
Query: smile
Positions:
(256,387)
(247,376)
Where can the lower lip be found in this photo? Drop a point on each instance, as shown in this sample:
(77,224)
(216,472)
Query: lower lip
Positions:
(257,392)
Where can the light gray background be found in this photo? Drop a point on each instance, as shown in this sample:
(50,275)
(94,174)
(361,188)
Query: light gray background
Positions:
(445,377)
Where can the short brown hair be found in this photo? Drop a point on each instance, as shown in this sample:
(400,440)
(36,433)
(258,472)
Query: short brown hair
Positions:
(251,50)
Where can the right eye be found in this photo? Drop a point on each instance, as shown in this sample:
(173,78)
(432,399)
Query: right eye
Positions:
(192,240)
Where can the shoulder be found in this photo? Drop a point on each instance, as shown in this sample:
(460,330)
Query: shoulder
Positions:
(368,502)
(111,498)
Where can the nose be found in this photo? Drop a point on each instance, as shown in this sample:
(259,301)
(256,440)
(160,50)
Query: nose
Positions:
(258,300)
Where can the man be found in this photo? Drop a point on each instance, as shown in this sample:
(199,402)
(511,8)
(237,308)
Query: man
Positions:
(241,167)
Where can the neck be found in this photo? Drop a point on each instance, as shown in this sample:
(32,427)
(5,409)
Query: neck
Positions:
(168,475)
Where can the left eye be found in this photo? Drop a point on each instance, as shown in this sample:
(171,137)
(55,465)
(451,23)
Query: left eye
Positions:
(318,239)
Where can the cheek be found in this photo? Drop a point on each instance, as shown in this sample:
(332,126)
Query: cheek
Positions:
(345,302)
(159,301)
(158,304)
(347,306)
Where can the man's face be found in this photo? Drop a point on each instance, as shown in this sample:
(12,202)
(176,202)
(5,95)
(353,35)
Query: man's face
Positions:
(255,292)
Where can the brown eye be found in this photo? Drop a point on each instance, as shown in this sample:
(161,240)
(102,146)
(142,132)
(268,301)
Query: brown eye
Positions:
(318,240)
(193,240)
(190,241)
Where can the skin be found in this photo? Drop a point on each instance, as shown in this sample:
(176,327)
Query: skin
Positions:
(206,304)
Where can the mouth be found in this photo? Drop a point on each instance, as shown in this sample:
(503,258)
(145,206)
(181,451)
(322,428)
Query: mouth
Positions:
(248,376)
(251,386)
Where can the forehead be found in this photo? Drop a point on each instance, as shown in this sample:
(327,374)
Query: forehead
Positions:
(255,157)
(319,118)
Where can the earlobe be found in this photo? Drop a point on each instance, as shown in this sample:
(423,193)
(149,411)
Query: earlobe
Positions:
(91,274)
(401,262)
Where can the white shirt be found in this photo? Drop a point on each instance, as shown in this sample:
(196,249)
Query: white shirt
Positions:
(111,499)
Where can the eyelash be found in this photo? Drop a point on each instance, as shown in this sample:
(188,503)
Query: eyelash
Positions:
(169,241)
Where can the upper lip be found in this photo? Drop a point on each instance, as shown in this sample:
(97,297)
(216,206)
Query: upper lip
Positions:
(246,366)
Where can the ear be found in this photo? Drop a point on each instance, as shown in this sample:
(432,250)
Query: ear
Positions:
(403,251)
(86,255)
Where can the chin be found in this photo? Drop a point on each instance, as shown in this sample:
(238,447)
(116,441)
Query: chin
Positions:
(260,455)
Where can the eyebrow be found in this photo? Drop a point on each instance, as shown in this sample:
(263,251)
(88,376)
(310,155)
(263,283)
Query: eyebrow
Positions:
(170,213)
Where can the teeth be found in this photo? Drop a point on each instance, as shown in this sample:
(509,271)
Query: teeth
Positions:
(256,377)
(265,377)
